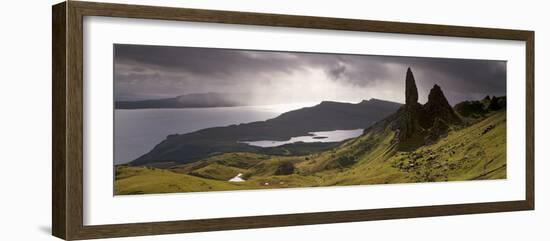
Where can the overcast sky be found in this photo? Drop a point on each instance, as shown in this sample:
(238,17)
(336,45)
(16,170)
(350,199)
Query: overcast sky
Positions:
(152,72)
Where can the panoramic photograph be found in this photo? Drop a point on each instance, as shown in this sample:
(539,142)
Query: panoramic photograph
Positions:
(190,119)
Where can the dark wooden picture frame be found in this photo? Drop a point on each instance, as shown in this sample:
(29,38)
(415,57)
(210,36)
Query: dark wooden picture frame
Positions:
(67,159)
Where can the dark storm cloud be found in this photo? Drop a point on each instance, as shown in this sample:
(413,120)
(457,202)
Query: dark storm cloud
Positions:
(200,60)
(143,72)
(337,71)
(457,74)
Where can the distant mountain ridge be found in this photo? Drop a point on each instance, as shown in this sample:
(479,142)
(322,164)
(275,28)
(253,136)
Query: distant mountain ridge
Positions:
(326,116)
(196,100)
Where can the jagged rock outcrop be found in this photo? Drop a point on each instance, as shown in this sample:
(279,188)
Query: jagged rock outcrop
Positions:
(411,92)
(413,110)
(471,109)
(497,103)
(438,107)
(421,124)
(479,108)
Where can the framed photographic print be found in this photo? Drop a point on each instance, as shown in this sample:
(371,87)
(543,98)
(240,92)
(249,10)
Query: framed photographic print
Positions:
(171,120)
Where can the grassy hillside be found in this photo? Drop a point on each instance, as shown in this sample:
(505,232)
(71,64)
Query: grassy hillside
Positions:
(143,180)
(471,153)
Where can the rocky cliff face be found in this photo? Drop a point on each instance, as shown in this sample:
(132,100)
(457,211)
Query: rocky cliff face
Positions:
(411,92)
(438,107)
(424,123)
(413,112)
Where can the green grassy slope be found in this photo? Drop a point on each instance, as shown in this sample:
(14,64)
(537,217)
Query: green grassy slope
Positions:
(472,153)
(476,152)
(143,180)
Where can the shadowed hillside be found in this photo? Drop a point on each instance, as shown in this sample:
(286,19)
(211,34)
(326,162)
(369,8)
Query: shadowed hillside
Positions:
(326,116)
